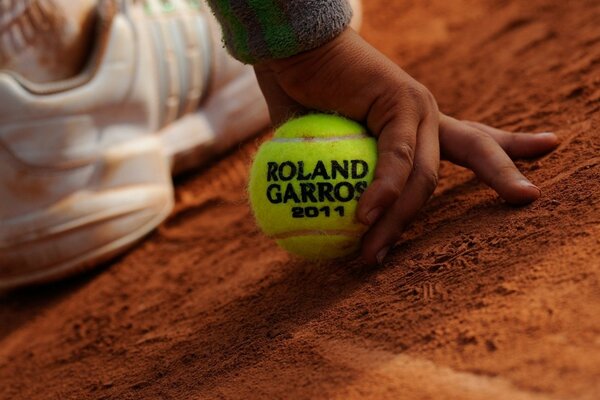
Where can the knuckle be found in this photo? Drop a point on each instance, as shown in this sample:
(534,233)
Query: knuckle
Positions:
(391,190)
(478,138)
(419,97)
(385,110)
(399,160)
(429,177)
(503,174)
(415,92)
(389,104)
(479,145)
(403,152)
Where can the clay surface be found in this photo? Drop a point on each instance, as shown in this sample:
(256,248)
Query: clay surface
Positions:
(479,301)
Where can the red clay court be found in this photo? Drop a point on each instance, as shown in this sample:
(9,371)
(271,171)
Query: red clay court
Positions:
(479,301)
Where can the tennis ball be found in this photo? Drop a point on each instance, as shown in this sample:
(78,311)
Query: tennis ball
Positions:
(306,182)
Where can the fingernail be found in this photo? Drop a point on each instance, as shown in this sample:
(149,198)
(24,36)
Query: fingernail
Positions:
(373,215)
(528,184)
(548,135)
(381,255)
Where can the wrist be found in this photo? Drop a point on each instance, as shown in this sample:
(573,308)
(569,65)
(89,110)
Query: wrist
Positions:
(257,33)
(307,60)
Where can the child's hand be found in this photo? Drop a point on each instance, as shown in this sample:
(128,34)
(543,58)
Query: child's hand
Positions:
(350,77)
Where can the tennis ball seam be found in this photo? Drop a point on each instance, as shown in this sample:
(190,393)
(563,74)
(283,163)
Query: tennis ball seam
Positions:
(305,185)
(316,232)
(323,139)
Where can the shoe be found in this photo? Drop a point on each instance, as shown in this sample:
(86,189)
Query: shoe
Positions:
(193,139)
(86,163)
(357,17)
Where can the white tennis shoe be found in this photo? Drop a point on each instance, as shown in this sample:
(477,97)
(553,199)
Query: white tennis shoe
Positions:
(86,163)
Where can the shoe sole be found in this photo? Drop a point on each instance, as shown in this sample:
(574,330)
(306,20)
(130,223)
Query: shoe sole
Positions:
(53,244)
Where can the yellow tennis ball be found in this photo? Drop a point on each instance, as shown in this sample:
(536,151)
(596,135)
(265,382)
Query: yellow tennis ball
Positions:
(305,185)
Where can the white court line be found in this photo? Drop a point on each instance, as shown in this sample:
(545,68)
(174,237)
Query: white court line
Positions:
(382,374)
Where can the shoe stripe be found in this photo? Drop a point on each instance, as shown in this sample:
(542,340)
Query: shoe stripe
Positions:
(173,36)
(166,58)
(191,66)
(194,32)
(182,41)
(161,68)
(202,31)
(172,76)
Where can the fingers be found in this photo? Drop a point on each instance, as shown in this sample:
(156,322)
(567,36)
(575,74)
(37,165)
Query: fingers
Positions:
(281,106)
(520,145)
(350,77)
(405,116)
(396,152)
(470,147)
(419,188)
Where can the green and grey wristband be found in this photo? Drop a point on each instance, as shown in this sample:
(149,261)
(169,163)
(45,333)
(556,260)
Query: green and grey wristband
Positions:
(261,30)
